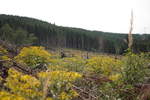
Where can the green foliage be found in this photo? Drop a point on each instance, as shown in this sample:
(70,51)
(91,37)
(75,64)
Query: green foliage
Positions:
(135,68)
(74,64)
(21,37)
(6,33)
(17,37)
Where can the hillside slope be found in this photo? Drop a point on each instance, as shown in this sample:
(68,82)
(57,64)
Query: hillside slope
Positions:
(51,35)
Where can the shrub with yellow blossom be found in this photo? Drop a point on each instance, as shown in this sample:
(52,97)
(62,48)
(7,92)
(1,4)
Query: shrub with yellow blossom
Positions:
(2,50)
(33,56)
(4,57)
(103,65)
(60,84)
(26,87)
(3,54)
(8,96)
(23,85)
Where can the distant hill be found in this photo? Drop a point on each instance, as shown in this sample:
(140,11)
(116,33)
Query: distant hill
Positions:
(51,35)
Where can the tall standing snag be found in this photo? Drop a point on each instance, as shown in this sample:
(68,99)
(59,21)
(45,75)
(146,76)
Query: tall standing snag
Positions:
(130,38)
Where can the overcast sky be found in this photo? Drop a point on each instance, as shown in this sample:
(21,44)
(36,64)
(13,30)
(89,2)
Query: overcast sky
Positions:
(102,15)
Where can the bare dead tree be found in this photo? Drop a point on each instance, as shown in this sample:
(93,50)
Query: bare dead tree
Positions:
(130,38)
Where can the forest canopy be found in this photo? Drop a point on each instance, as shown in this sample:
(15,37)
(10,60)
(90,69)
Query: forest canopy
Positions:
(23,30)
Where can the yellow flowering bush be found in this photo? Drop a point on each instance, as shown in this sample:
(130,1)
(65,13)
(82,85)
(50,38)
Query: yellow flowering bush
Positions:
(115,77)
(7,96)
(60,76)
(57,64)
(49,99)
(1,79)
(26,87)
(60,83)
(3,54)
(23,85)
(33,56)
(67,96)
(2,50)
(103,65)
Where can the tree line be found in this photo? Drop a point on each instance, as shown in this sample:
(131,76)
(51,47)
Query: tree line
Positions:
(22,30)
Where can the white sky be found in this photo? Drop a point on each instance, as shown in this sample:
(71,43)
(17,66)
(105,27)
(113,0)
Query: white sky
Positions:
(102,15)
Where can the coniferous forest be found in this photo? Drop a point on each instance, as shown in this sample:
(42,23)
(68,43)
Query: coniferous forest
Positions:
(49,35)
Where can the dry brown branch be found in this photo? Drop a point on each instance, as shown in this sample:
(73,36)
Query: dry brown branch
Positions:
(45,88)
(97,79)
(144,91)
(89,93)
(84,94)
